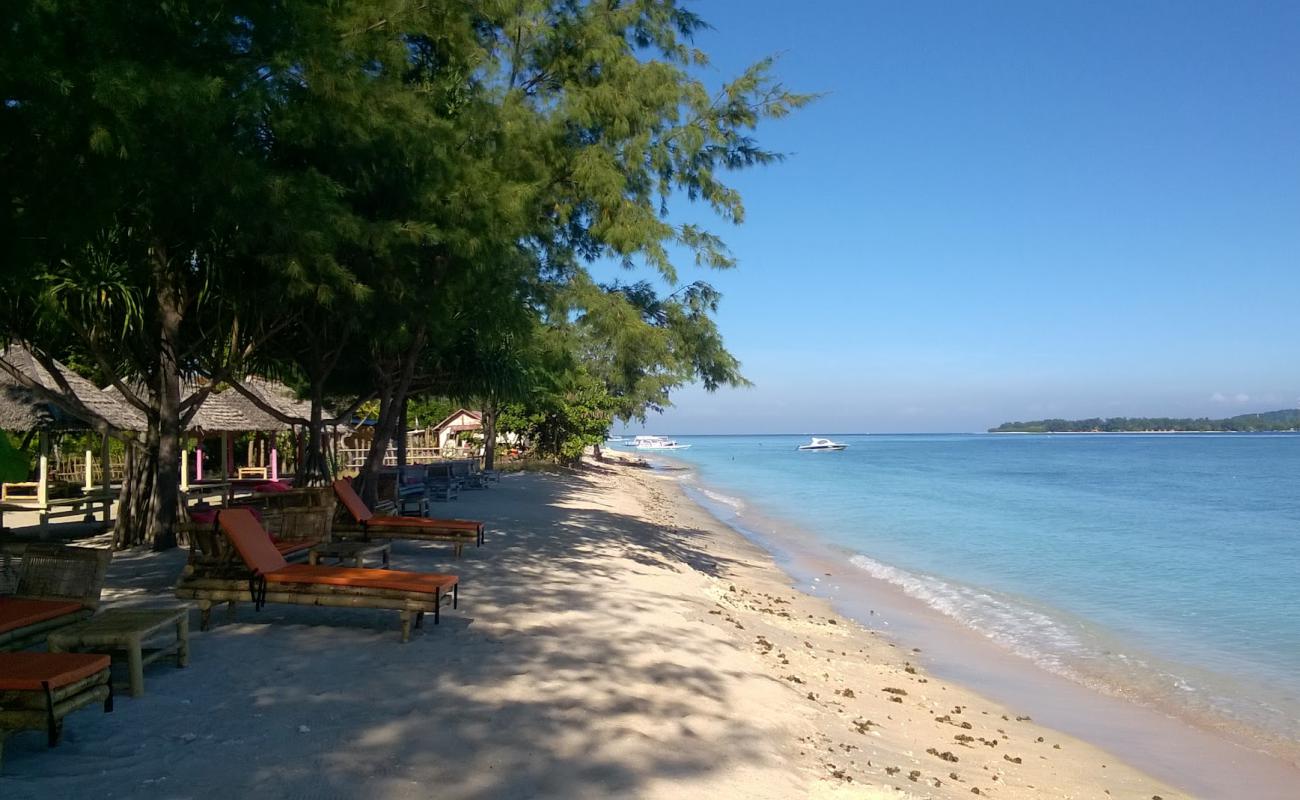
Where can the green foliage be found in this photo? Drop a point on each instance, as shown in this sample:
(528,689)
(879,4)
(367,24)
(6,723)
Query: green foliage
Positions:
(14,463)
(1284,420)
(559,425)
(426,410)
(372,199)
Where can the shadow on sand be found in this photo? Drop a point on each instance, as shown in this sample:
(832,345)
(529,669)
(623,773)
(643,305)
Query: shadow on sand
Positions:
(536,686)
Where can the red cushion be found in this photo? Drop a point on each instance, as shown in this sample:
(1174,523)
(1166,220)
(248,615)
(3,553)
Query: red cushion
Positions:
(26,672)
(19,612)
(360,578)
(288,547)
(251,540)
(351,500)
(272,487)
(205,516)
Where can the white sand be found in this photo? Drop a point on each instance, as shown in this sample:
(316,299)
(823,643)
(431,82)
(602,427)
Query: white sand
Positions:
(613,640)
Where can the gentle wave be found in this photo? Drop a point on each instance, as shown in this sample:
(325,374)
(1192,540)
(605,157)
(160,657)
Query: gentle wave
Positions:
(734,503)
(1025,631)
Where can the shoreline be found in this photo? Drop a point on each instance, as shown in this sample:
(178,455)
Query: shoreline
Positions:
(1062,765)
(613,639)
(1148,738)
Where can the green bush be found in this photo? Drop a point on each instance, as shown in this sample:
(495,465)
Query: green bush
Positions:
(13,462)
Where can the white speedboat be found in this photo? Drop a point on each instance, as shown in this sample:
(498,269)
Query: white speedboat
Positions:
(657,443)
(822,444)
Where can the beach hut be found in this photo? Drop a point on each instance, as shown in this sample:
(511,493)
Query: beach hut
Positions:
(462,420)
(36,401)
(227,414)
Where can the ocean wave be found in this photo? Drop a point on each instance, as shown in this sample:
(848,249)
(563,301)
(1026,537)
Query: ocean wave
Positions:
(1030,633)
(734,503)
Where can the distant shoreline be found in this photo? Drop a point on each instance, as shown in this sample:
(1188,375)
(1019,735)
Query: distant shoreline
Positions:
(1286,420)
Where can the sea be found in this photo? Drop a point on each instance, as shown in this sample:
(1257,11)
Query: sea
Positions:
(1163,569)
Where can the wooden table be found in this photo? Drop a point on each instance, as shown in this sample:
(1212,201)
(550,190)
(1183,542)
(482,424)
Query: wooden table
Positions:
(355,551)
(126,630)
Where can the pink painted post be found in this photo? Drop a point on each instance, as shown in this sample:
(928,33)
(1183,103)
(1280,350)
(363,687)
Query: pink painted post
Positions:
(275,464)
(198,462)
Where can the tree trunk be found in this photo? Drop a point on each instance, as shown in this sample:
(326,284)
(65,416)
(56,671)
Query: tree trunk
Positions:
(135,500)
(489,436)
(162,530)
(400,435)
(367,480)
(314,471)
(392,402)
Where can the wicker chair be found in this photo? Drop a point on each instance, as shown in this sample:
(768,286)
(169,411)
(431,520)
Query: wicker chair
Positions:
(56,586)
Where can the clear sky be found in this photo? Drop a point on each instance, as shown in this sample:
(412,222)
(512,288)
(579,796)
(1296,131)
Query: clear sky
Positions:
(1012,210)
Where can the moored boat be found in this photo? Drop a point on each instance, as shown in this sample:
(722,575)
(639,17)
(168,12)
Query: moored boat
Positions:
(657,443)
(822,445)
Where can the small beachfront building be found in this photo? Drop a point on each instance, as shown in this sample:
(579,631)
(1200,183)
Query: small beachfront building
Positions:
(446,434)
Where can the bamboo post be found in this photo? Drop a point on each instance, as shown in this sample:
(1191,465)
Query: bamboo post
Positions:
(43,480)
(198,462)
(185,470)
(106,476)
(225,455)
(89,471)
(275,464)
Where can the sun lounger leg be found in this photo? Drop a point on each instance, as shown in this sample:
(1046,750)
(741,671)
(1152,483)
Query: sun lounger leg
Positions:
(205,614)
(183,641)
(135,663)
(406,626)
(54,726)
(455,596)
(230,610)
(419,619)
(437,606)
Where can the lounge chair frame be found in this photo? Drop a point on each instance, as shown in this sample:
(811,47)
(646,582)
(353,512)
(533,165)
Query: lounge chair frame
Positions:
(212,587)
(56,572)
(367,527)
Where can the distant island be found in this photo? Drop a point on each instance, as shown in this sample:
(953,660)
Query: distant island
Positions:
(1284,420)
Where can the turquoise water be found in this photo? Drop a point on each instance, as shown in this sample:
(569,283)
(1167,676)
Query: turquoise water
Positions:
(1165,567)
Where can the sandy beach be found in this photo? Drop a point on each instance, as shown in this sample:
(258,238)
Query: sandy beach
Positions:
(613,639)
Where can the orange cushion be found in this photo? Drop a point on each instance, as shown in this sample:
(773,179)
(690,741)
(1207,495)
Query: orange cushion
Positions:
(351,500)
(390,579)
(291,546)
(19,612)
(23,672)
(468,525)
(251,540)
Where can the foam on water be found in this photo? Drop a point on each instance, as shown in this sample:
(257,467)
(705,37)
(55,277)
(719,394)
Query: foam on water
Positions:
(1021,629)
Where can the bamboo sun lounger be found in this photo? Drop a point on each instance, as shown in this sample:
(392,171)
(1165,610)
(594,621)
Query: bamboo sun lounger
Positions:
(57,586)
(37,690)
(365,524)
(271,579)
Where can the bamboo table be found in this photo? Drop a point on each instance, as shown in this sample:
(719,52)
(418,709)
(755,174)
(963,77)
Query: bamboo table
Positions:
(126,630)
(355,551)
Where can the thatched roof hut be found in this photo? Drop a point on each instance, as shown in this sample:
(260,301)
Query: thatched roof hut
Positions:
(46,405)
(231,412)
(281,398)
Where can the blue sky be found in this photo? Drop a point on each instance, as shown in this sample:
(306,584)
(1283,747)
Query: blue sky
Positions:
(1007,210)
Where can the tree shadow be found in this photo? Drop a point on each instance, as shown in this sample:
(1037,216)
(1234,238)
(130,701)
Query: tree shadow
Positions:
(547,681)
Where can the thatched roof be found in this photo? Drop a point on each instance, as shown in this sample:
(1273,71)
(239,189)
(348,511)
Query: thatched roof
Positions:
(223,412)
(281,398)
(23,408)
(231,412)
